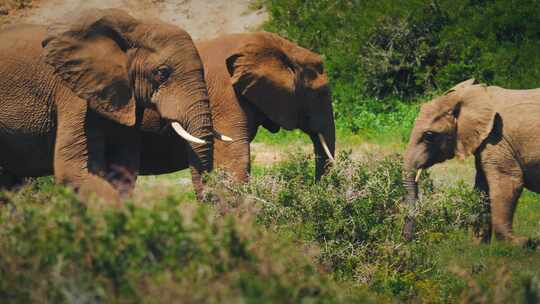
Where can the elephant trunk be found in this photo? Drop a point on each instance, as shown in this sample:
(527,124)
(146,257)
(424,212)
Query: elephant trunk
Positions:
(199,125)
(324,145)
(190,117)
(411,196)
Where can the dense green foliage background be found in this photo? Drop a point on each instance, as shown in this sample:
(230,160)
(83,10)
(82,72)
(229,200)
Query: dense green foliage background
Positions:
(380,54)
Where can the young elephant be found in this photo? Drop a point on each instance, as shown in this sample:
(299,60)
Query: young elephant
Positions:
(499,127)
(71,97)
(255,79)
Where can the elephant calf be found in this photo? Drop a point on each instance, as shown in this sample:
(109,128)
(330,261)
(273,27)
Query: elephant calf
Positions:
(500,127)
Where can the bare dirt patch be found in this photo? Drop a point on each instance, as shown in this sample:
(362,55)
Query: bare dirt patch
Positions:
(268,154)
(201,18)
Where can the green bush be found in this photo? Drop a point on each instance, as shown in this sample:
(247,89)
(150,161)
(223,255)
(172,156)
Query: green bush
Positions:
(354,215)
(55,249)
(353,218)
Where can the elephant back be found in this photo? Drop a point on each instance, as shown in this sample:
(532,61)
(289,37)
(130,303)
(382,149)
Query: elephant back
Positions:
(26,82)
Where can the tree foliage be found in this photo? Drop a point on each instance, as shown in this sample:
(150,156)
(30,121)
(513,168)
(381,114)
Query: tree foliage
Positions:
(384,48)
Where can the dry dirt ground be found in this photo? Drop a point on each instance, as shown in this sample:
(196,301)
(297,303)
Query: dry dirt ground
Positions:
(201,18)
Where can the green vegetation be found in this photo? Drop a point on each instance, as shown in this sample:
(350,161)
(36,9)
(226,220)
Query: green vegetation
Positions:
(354,217)
(279,239)
(381,55)
(55,249)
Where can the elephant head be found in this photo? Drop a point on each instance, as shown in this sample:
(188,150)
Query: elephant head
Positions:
(120,65)
(455,124)
(288,85)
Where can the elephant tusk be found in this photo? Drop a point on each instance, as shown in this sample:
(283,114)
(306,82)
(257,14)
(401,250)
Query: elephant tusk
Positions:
(418,173)
(185,135)
(221,136)
(325,147)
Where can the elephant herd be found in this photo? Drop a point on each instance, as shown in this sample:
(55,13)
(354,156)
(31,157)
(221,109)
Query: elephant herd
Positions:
(101,97)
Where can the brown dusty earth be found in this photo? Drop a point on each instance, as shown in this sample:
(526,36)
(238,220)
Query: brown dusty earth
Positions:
(448,172)
(201,18)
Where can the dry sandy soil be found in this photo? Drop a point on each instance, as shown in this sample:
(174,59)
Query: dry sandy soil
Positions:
(201,18)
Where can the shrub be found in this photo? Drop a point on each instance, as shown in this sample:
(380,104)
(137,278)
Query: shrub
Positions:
(354,215)
(402,56)
(55,249)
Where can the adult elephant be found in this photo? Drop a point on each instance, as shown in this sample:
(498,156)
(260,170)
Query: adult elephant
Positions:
(254,79)
(72,97)
(500,127)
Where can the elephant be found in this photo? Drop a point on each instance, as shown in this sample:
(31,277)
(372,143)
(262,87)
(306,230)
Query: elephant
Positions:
(254,79)
(500,128)
(72,97)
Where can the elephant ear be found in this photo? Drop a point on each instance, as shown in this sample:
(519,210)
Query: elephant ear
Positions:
(265,76)
(90,54)
(475,115)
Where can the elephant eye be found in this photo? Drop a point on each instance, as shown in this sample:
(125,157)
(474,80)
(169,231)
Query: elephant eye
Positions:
(162,74)
(430,136)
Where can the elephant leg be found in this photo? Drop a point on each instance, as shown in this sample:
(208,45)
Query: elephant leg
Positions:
(482,231)
(122,170)
(504,192)
(78,152)
(122,154)
(8,181)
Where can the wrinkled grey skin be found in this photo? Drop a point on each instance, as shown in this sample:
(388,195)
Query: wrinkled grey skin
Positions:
(500,127)
(72,97)
(254,80)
